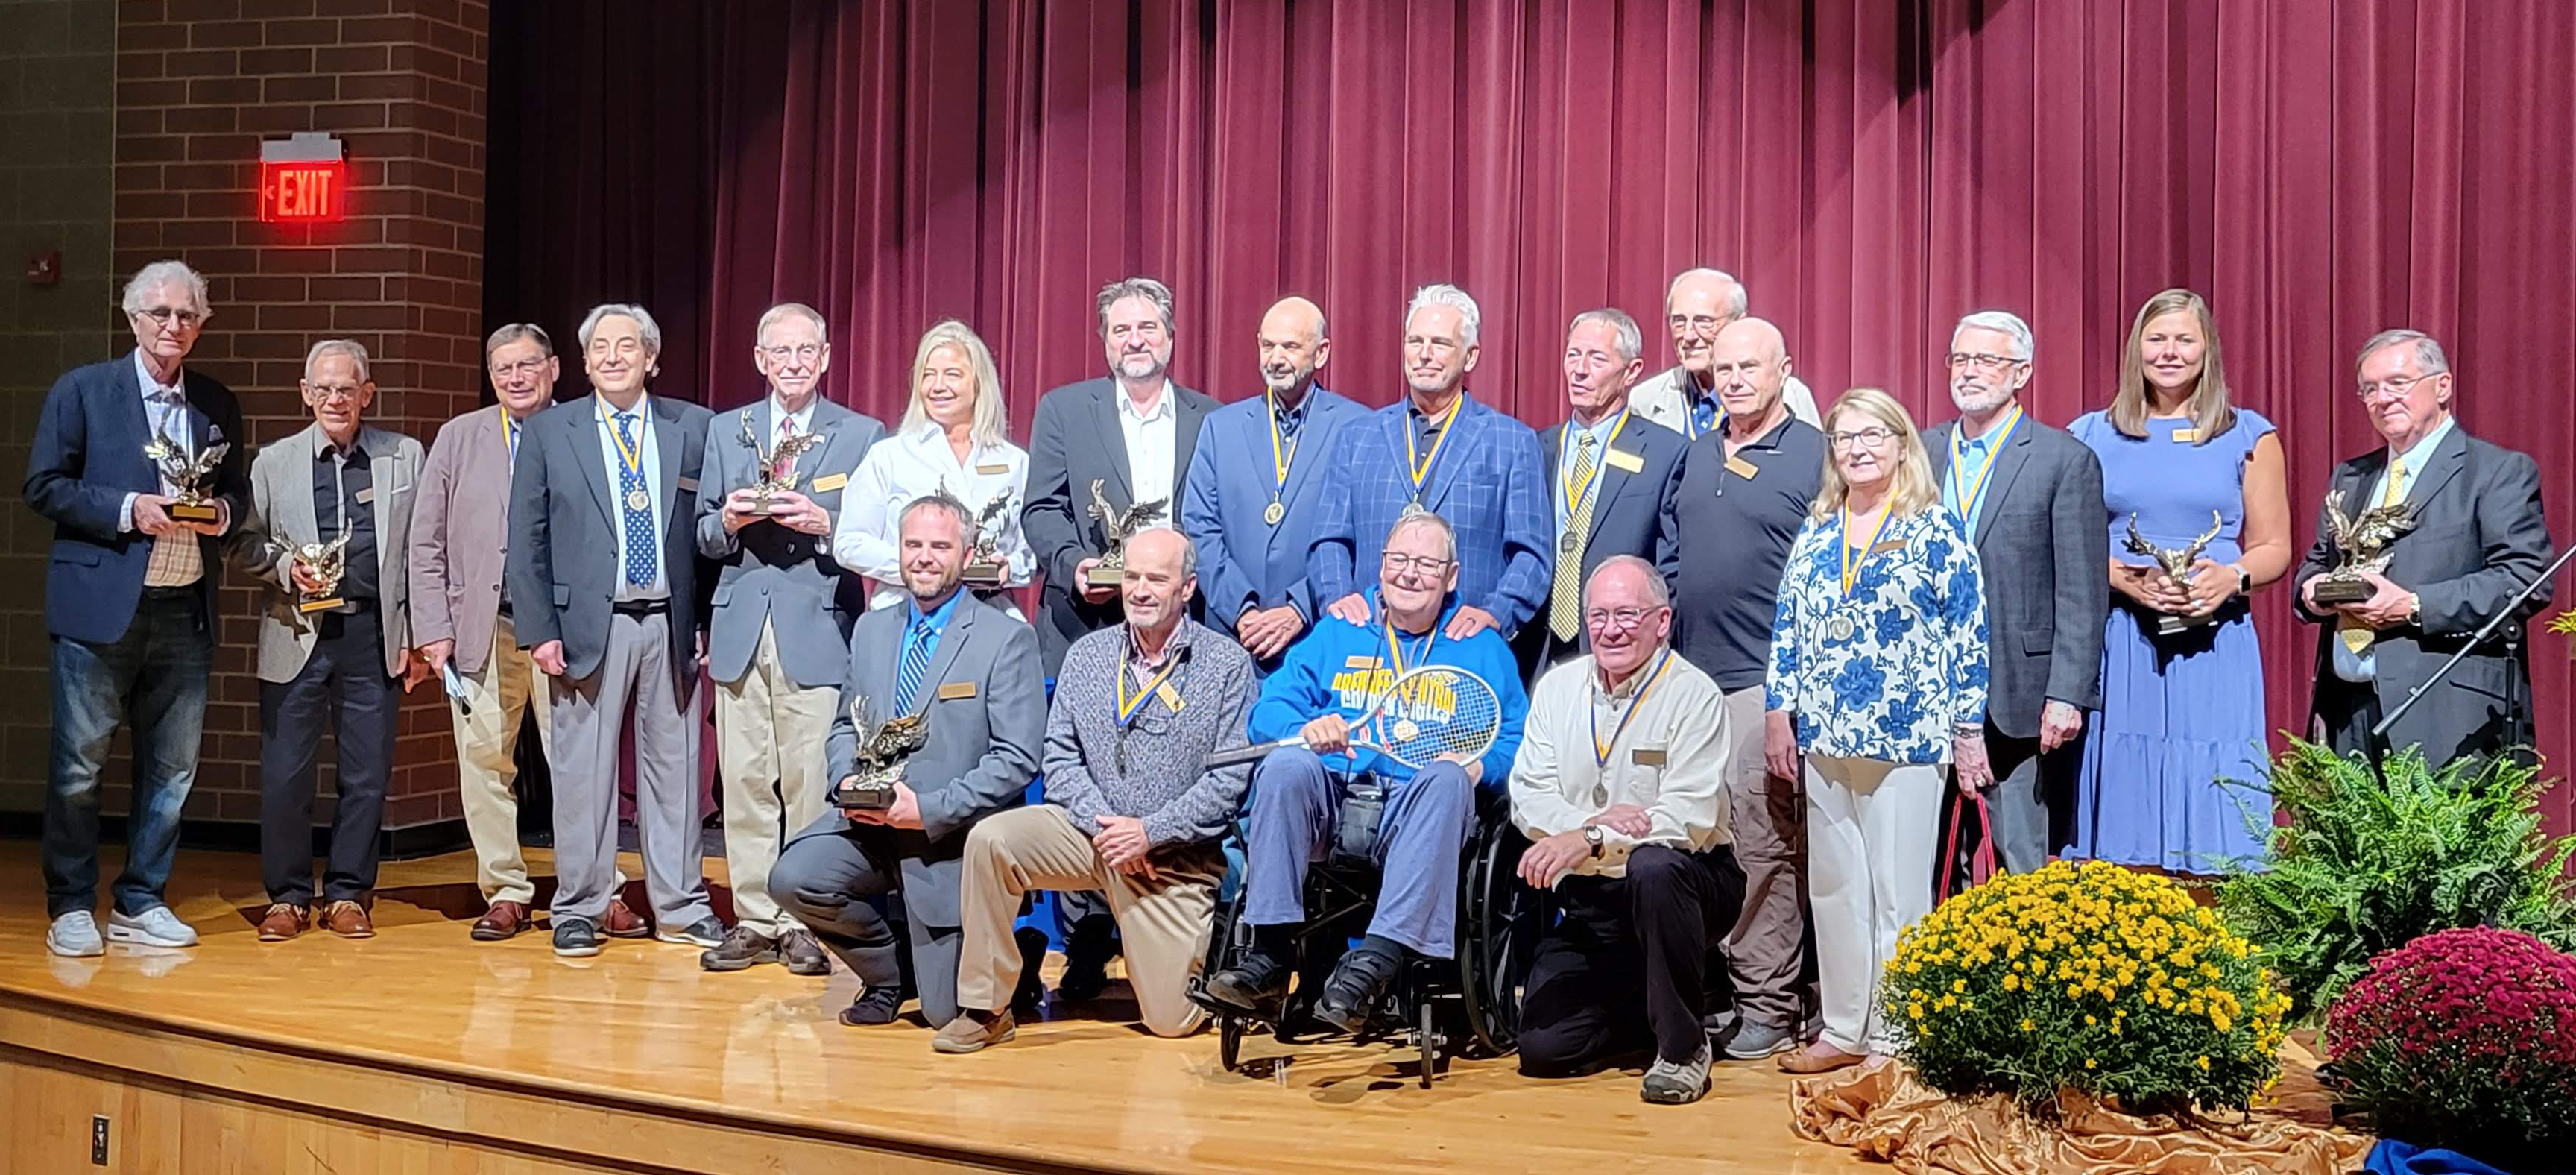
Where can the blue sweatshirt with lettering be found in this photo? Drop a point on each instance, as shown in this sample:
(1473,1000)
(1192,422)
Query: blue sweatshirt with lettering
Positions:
(1340,668)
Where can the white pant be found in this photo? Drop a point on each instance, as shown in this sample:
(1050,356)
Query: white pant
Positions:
(1872,833)
(769,745)
(487,770)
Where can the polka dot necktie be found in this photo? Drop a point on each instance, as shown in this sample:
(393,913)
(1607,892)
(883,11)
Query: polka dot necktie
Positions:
(640,552)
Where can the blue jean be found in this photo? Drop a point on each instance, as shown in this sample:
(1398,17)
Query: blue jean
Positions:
(154,677)
(1296,804)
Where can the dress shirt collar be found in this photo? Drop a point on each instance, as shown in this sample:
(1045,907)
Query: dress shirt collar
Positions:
(1127,404)
(323,448)
(938,617)
(149,386)
(804,417)
(1173,646)
(2422,451)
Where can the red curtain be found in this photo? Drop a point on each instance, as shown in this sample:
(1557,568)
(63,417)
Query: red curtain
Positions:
(2320,169)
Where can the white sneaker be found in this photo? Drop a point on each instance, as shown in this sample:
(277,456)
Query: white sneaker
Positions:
(156,927)
(74,935)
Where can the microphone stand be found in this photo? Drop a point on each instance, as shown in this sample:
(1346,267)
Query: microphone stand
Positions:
(2380,732)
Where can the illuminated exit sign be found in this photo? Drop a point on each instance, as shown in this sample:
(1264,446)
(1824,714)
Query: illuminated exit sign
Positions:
(302,180)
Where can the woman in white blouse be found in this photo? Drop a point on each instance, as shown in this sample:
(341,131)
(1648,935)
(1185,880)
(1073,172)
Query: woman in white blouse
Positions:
(1878,679)
(953,437)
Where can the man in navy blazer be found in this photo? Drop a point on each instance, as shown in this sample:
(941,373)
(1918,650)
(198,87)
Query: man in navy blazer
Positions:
(1609,485)
(1439,450)
(1250,499)
(130,601)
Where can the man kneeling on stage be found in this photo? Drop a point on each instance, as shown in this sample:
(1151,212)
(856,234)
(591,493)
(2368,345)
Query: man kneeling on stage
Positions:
(1633,835)
(973,670)
(1330,678)
(1132,809)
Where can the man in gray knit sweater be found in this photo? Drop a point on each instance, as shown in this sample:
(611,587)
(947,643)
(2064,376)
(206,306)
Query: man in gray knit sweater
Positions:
(1130,809)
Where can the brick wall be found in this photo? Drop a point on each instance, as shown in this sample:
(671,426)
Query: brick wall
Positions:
(198,85)
(57,94)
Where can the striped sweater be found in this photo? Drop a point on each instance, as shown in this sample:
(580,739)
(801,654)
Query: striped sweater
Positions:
(1152,770)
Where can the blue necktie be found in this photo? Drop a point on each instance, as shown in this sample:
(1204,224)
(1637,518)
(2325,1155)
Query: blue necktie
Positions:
(916,662)
(640,554)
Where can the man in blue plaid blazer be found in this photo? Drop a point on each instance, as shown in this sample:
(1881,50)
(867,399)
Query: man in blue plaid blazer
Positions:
(1439,450)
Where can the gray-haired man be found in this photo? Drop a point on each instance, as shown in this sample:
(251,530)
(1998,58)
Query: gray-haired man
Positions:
(1699,304)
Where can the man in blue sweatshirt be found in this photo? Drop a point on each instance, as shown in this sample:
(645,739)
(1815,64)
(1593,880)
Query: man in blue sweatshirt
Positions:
(1328,680)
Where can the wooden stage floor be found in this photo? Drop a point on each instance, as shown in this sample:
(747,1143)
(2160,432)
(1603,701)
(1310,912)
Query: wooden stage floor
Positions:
(421,1050)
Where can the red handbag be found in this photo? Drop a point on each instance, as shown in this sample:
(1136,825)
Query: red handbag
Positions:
(1980,864)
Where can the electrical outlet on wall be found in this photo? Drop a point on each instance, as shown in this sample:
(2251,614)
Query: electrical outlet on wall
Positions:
(98,1140)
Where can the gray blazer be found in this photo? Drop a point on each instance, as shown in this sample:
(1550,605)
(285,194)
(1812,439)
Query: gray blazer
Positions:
(281,518)
(988,714)
(1074,439)
(460,537)
(2046,556)
(563,533)
(767,572)
(2478,538)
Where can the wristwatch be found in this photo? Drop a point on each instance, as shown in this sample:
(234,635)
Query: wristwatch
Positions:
(2244,582)
(1592,836)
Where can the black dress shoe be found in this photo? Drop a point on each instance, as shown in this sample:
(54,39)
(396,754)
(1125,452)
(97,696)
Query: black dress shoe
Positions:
(708,933)
(876,1005)
(1086,960)
(1255,984)
(1353,989)
(802,955)
(576,938)
(1032,989)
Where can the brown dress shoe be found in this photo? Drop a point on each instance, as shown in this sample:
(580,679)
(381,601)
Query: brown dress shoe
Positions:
(802,955)
(504,920)
(975,1031)
(347,919)
(284,920)
(622,922)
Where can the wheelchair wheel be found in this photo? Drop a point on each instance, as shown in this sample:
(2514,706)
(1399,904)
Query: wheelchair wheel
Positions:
(1498,928)
(1427,1036)
(1229,1042)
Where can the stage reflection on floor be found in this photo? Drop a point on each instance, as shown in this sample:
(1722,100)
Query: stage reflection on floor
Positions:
(641,1025)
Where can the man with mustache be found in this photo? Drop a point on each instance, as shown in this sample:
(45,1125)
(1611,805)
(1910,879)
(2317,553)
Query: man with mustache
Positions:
(338,478)
(1134,431)
(1251,496)
(2030,497)
(2478,538)
(973,671)
(778,638)
(1699,304)
(1613,470)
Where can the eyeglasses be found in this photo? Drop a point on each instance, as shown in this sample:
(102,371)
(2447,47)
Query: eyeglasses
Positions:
(1871,437)
(1623,619)
(527,367)
(1703,325)
(1981,362)
(164,316)
(1400,563)
(808,352)
(330,392)
(2391,389)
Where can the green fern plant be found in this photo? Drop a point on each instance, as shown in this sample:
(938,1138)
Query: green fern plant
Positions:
(2371,860)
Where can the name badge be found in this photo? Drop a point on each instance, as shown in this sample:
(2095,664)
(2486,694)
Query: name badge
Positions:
(688,485)
(953,690)
(825,485)
(1627,461)
(989,470)
(1171,697)
(2185,436)
(1742,468)
(1359,662)
(1889,545)
(367,495)
(1647,757)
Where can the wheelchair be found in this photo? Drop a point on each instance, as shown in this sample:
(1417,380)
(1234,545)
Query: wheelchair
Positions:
(1467,1006)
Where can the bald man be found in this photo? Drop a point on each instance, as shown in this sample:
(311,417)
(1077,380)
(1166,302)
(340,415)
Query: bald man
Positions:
(1249,501)
(1744,495)
(1700,304)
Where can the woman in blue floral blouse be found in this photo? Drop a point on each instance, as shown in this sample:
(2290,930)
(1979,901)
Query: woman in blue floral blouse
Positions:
(1878,679)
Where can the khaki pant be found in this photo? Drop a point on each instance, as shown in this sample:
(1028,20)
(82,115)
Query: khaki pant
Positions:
(769,748)
(487,743)
(1768,826)
(1163,923)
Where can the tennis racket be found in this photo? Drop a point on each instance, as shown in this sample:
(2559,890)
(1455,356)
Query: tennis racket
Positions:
(1421,716)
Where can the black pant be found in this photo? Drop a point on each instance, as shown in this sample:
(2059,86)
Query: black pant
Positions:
(2346,711)
(1648,932)
(348,659)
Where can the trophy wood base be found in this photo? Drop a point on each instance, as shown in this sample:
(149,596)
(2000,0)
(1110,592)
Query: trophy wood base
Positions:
(192,512)
(1107,575)
(2331,591)
(864,797)
(983,576)
(310,605)
(2167,625)
(761,508)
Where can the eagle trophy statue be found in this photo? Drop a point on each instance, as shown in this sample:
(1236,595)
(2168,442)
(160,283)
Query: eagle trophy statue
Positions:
(877,764)
(2176,564)
(1112,566)
(984,565)
(2364,540)
(770,481)
(187,476)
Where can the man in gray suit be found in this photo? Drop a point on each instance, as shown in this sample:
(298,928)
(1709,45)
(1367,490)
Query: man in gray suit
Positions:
(342,483)
(604,576)
(974,670)
(2030,496)
(1135,432)
(779,636)
(1610,471)
(2478,538)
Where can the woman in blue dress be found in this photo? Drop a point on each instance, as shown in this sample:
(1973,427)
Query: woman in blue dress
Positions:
(2173,775)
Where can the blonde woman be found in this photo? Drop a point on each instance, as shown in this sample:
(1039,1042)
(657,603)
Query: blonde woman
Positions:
(2167,768)
(953,436)
(1877,679)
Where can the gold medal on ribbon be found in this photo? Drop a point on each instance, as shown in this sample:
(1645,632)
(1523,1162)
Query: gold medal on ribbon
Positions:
(1274,513)
(1422,463)
(636,500)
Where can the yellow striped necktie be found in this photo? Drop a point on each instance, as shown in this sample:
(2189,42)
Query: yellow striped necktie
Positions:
(2356,635)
